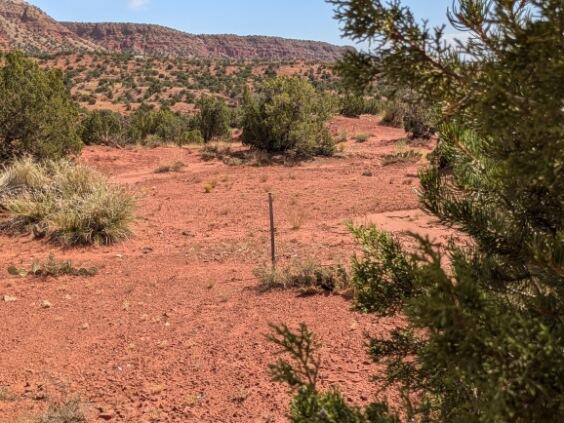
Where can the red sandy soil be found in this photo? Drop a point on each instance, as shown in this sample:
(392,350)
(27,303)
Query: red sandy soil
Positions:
(172,328)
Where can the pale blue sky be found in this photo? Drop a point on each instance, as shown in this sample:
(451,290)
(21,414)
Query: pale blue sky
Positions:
(302,19)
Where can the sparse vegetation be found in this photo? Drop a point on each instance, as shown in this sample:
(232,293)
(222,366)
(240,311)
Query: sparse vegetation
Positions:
(309,277)
(66,202)
(404,156)
(175,167)
(219,151)
(361,137)
(70,411)
(210,186)
(52,268)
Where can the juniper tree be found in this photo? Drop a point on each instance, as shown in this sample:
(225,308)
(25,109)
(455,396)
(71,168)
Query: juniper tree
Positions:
(37,114)
(287,115)
(484,339)
(213,118)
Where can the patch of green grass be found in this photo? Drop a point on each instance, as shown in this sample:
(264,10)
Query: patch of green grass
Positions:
(52,268)
(66,202)
(308,277)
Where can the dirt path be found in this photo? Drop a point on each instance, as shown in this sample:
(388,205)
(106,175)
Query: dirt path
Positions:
(172,329)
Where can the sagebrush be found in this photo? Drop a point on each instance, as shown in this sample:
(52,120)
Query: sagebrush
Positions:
(66,202)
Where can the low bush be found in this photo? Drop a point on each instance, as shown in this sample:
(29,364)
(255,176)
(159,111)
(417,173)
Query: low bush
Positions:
(163,125)
(192,136)
(103,127)
(356,105)
(213,119)
(402,110)
(288,115)
(66,202)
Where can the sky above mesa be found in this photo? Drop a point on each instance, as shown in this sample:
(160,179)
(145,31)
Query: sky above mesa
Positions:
(301,19)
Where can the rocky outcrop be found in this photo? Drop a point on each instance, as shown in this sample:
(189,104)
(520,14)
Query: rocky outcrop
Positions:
(27,28)
(155,40)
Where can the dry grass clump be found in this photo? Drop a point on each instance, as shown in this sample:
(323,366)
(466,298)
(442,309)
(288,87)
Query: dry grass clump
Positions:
(66,202)
(409,156)
(172,168)
(52,268)
(360,138)
(215,151)
(309,277)
(210,186)
(67,412)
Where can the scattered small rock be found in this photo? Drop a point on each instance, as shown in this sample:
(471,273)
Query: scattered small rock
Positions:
(46,304)
(9,299)
(106,413)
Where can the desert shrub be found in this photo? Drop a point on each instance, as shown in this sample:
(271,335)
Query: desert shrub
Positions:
(288,115)
(37,114)
(356,105)
(103,127)
(163,125)
(68,203)
(236,120)
(403,110)
(192,136)
(213,118)
(309,277)
(483,337)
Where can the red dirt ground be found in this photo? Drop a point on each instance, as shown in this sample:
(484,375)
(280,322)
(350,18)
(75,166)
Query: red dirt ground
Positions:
(172,329)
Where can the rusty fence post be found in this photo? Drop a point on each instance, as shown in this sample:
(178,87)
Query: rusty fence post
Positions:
(272,231)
